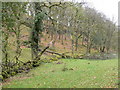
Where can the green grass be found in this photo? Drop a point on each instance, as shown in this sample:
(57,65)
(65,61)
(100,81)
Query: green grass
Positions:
(24,56)
(85,74)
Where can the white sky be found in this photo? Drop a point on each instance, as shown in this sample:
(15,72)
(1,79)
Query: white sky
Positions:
(108,7)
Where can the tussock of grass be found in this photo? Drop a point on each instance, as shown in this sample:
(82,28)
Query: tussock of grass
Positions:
(84,74)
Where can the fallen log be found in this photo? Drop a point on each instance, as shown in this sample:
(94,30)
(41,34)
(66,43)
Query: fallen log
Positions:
(55,53)
(42,51)
(52,52)
(60,54)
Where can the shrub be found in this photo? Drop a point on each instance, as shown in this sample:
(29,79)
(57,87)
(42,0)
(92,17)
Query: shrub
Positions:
(100,56)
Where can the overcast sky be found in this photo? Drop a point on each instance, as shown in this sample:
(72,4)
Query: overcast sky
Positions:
(108,7)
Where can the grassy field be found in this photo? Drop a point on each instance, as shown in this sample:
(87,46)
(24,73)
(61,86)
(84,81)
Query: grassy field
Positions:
(69,73)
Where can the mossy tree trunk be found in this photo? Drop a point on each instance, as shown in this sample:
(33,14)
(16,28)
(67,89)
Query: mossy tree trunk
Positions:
(35,38)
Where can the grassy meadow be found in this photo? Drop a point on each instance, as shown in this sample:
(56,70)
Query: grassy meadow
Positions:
(61,44)
(68,73)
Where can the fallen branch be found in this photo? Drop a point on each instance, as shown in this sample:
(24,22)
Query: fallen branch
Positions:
(56,53)
(52,52)
(42,51)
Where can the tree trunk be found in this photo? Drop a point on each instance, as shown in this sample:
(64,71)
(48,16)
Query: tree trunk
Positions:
(72,46)
(59,36)
(88,46)
(18,49)
(82,40)
(51,35)
(53,43)
(35,34)
(88,49)
(62,40)
(76,44)
(65,38)
(102,49)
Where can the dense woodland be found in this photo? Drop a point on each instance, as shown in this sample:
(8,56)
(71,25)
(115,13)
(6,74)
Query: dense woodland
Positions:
(53,30)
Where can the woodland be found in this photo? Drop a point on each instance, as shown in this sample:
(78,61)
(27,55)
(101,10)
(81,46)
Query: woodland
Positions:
(57,45)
